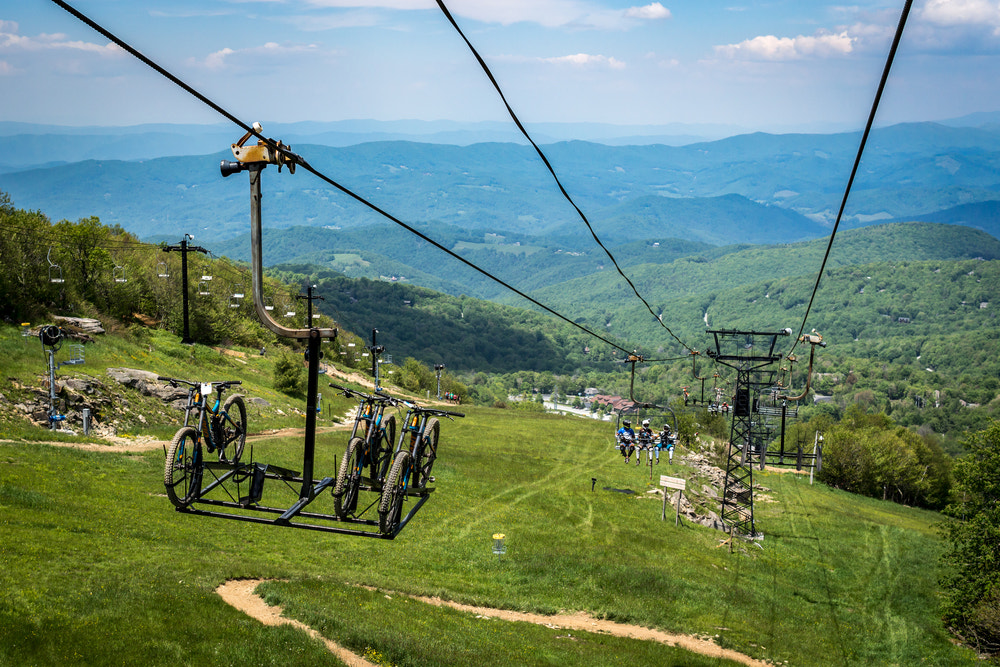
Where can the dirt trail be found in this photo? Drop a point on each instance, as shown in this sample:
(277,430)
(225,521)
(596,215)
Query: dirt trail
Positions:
(118,445)
(145,443)
(240,594)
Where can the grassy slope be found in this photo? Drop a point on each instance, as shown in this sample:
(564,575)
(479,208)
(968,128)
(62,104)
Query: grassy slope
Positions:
(97,568)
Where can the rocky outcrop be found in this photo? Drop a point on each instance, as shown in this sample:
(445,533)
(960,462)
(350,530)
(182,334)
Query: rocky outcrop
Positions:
(147,384)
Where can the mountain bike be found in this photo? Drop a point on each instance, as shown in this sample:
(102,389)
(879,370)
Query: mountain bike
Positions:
(412,464)
(371,449)
(223,428)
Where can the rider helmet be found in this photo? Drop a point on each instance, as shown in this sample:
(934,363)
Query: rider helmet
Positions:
(645,422)
(627,423)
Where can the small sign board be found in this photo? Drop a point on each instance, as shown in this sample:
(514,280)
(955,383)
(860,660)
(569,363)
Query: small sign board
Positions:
(673,482)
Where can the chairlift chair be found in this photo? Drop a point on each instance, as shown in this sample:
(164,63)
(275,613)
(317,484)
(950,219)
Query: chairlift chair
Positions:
(203,288)
(268,303)
(55,271)
(161,270)
(118,273)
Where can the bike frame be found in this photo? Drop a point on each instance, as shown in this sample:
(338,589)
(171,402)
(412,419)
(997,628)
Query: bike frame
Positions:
(203,427)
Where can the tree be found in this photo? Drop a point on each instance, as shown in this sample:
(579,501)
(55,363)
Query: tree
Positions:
(972,582)
(288,375)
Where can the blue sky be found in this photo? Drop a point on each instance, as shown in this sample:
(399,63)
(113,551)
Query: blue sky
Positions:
(777,65)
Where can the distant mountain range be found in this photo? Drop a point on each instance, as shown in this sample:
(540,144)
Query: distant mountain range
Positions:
(754,188)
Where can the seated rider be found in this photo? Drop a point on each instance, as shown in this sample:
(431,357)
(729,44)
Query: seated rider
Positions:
(667,441)
(645,438)
(626,439)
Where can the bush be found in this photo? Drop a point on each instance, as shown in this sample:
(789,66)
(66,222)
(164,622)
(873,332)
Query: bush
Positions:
(288,376)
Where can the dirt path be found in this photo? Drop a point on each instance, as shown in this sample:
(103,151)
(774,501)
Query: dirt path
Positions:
(240,594)
(118,445)
(144,443)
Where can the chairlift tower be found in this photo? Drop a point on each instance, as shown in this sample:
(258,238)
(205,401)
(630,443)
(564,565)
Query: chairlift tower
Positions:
(437,369)
(749,353)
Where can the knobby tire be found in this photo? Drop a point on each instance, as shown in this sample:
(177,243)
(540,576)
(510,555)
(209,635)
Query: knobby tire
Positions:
(234,429)
(345,491)
(183,467)
(391,505)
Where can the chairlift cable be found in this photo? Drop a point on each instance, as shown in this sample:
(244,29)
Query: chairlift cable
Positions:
(548,166)
(857,162)
(293,159)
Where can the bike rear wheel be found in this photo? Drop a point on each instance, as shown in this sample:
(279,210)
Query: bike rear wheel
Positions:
(428,453)
(183,467)
(345,491)
(384,444)
(390,508)
(234,429)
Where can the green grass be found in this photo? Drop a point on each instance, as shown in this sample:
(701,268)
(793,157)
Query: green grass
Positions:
(98,568)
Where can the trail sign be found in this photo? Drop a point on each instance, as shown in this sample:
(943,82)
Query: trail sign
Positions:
(673,482)
(678,483)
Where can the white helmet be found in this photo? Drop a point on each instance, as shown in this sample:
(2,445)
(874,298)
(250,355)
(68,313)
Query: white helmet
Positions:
(645,422)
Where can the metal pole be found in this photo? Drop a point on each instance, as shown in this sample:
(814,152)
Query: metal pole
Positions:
(184,291)
(52,389)
(310,440)
(784,409)
(374,358)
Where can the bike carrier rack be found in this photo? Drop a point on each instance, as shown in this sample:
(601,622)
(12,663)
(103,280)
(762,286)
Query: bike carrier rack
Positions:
(252,475)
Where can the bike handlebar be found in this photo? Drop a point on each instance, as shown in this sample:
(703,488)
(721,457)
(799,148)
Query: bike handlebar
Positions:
(377,396)
(224,384)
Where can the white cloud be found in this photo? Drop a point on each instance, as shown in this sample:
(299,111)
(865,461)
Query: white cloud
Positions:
(576,14)
(11,41)
(575,60)
(648,12)
(6,68)
(769,47)
(962,12)
(266,55)
(586,60)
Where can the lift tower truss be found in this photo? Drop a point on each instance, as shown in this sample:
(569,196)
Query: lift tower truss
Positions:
(749,353)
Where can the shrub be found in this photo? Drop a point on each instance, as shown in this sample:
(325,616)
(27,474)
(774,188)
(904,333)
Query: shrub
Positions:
(288,376)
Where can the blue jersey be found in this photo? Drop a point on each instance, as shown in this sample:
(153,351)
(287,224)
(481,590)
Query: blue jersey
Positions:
(626,434)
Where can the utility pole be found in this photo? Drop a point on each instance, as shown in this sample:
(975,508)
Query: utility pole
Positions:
(309,298)
(184,249)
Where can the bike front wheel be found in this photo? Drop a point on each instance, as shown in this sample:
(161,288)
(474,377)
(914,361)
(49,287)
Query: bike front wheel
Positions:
(390,508)
(345,491)
(183,468)
(234,429)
